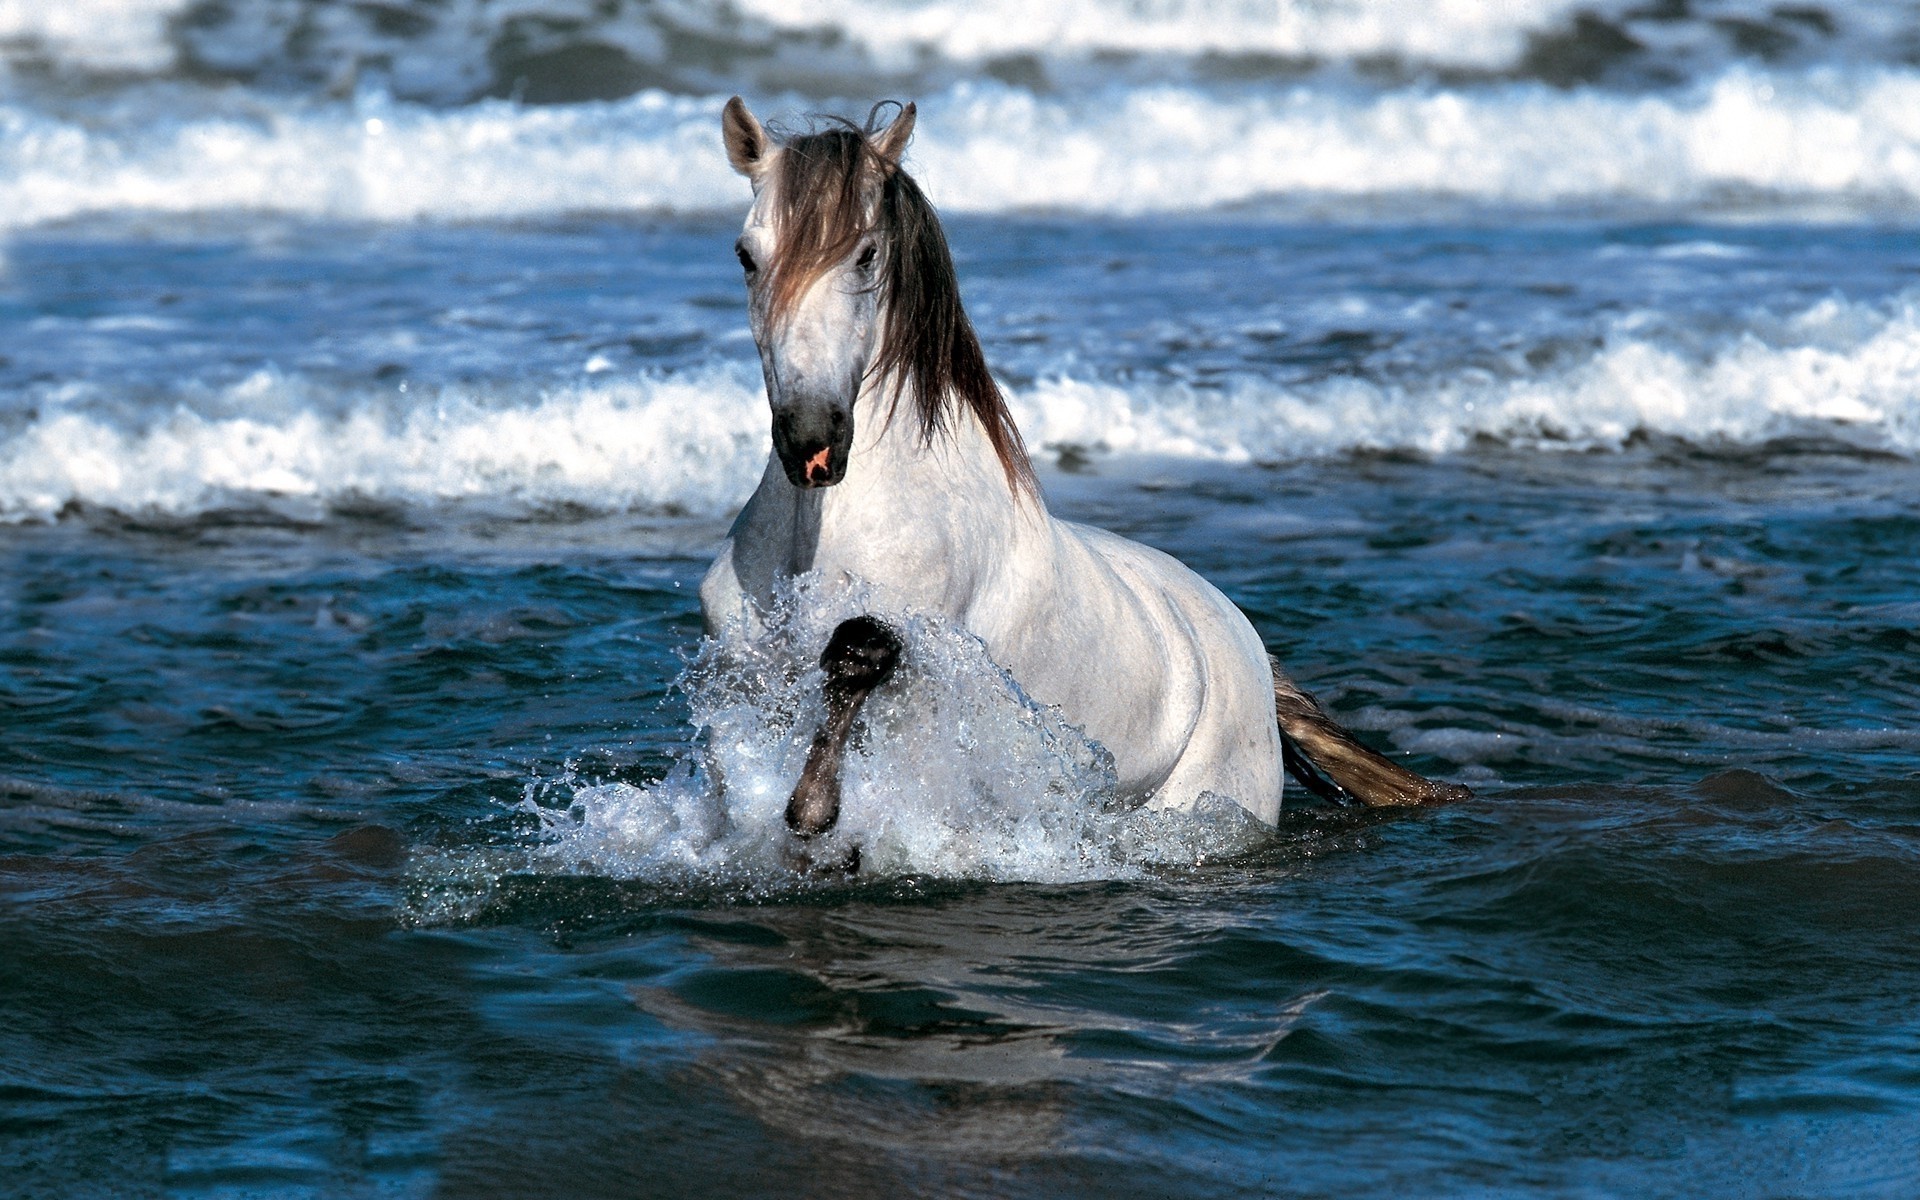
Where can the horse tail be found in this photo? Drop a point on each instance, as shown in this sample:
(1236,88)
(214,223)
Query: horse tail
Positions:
(1332,764)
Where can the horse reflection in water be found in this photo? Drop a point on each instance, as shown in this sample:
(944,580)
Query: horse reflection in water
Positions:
(898,469)
(912,1030)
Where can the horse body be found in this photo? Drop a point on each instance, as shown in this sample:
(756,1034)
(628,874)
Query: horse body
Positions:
(1144,655)
(897,469)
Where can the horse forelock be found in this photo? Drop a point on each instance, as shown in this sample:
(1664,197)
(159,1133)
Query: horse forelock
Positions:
(834,188)
(819,210)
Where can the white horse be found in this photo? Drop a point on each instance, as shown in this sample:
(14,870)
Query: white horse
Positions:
(897,464)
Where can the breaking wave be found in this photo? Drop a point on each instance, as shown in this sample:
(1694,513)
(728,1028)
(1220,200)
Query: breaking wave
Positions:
(1846,143)
(695,441)
(1839,369)
(427,108)
(456,51)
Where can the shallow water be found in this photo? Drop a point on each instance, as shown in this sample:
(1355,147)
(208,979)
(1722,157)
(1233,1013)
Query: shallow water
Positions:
(1544,385)
(278,921)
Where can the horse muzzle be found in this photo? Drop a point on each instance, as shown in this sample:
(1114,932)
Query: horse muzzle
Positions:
(814,445)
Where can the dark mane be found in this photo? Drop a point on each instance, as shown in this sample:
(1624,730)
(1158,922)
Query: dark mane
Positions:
(928,350)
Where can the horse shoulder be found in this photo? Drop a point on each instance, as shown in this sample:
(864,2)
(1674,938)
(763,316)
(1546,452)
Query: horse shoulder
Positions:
(722,599)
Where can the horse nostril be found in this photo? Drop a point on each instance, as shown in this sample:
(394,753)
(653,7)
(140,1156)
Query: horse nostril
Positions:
(838,418)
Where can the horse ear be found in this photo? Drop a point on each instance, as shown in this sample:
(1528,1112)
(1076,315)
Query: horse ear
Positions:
(746,140)
(891,142)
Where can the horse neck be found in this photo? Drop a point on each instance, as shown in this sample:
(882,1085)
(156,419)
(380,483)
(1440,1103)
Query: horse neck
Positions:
(923,518)
(901,474)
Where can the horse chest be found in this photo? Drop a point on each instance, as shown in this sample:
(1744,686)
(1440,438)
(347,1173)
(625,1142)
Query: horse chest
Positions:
(904,558)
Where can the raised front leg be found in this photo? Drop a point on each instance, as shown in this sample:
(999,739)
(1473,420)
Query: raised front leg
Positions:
(860,657)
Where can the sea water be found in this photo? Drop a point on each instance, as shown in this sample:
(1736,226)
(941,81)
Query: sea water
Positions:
(1543,380)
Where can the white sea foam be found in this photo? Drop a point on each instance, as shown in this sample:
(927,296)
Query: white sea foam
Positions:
(1848,140)
(1482,33)
(105,35)
(451,50)
(1842,368)
(371,160)
(1852,137)
(693,442)
(696,441)
(958,774)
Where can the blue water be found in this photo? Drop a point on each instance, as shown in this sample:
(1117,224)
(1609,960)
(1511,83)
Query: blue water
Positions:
(347,566)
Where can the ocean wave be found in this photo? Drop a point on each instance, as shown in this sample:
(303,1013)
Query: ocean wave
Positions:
(1482,33)
(1621,42)
(93,35)
(1839,369)
(455,51)
(696,441)
(1846,141)
(371,160)
(1853,138)
(449,50)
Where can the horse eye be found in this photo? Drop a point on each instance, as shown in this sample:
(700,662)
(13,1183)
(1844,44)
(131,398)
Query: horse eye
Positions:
(865,261)
(746,260)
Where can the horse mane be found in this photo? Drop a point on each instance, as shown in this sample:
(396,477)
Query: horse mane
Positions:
(928,349)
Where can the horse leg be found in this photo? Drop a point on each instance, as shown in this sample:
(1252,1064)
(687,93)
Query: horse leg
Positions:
(1333,765)
(860,657)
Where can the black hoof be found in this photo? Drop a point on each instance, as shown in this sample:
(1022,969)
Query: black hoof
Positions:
(861,654)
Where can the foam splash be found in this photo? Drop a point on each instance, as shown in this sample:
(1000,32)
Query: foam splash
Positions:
(1848,140)
(956,774)
(695,441)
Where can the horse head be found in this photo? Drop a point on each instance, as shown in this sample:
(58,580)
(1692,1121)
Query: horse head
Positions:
(850,284)
(815,251)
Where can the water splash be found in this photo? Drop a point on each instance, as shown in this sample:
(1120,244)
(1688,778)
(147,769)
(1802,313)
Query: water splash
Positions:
(953,773)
